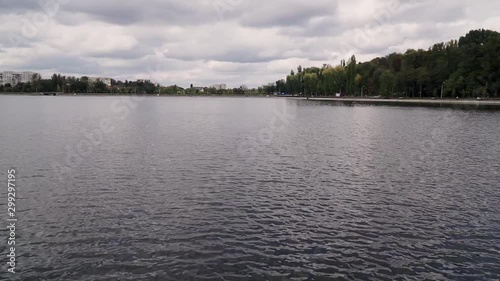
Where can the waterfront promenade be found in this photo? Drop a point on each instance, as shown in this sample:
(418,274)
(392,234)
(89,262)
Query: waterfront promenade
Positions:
(463,102)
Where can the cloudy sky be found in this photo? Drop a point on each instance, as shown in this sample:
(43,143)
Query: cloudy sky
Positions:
(250,42)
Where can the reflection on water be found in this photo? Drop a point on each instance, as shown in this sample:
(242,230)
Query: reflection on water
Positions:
(331,193)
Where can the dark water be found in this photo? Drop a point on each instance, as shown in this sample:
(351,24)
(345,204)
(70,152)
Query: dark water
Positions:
(250,189)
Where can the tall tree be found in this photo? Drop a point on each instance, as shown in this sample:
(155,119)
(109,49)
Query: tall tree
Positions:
(351,76)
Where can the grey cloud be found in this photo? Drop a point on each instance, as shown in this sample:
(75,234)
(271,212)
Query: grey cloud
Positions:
(286,13)
(63,63)
(140,12)
(429,12)
(240,55)
(135,53)
(9,6)
(243,45)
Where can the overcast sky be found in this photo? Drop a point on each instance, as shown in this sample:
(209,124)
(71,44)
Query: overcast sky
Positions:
(236,42)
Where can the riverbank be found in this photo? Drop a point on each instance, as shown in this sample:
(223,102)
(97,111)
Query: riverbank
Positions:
(413,102)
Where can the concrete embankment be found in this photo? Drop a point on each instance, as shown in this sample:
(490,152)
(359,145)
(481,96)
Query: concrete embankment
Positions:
(415,102)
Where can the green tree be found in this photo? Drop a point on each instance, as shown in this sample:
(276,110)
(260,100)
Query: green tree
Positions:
(351,76)
(99,87)
(422,77)
(358,82)
(387,83)
(310,84)
(470,65)
(35,79)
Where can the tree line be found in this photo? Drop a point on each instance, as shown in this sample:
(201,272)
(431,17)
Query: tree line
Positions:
(68,84)
(464,68)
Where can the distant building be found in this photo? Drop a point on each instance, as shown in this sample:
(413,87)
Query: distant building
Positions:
(13,77)
(200,89)
(219,86)
(104,80)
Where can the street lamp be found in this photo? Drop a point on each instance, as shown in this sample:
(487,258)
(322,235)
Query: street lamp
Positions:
(442,89)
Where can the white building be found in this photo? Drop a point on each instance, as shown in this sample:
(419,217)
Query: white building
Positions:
(104,80)
(27,76)
(13,77)
(219,86)
(201,89)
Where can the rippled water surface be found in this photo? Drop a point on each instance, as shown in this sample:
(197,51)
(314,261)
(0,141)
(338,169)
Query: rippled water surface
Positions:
(250,189)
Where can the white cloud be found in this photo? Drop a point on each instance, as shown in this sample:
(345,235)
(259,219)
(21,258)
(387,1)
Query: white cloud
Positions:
(255,42)
(92,38)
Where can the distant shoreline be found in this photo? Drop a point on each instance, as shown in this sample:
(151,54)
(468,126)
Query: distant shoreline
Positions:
(118,95)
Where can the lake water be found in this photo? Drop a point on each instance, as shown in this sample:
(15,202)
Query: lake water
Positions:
(250,189)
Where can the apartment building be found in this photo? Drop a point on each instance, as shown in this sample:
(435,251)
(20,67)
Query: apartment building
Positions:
(13,77)
(219,86)
(104,80)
